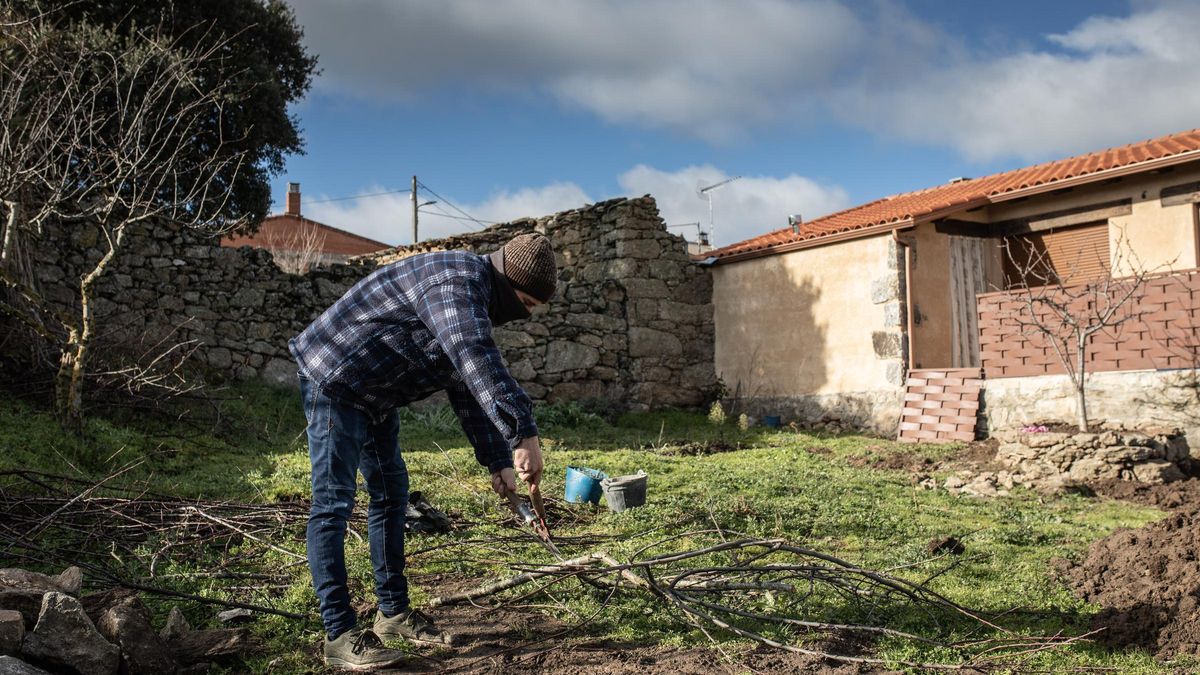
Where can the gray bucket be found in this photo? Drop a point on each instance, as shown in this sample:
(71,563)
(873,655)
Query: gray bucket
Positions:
(625,492)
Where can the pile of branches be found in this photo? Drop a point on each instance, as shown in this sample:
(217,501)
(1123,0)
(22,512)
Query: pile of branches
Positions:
(124,537)
(768,590)
(787,597)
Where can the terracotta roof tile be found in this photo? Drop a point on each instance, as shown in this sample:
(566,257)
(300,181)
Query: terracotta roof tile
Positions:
(903,207)
(281,230)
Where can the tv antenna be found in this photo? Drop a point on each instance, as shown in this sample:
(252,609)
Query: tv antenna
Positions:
(706,193)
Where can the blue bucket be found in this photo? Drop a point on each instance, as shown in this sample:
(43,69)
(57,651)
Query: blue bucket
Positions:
(583,485)
(772,421)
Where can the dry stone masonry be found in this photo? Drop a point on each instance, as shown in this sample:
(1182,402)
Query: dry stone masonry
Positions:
(1147,457)
(632,319)
(631,324)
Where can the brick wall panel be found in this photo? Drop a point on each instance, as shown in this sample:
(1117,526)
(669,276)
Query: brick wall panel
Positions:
(1161,333)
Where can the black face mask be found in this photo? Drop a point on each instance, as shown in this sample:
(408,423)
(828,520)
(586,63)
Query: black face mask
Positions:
(505,306)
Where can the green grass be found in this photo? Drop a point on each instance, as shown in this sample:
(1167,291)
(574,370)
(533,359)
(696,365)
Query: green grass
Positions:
(770,486)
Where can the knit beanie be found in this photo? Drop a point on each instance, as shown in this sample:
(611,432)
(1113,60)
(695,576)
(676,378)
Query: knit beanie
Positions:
(529,265)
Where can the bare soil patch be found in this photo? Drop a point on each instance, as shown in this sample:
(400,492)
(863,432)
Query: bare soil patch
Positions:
(1148,579)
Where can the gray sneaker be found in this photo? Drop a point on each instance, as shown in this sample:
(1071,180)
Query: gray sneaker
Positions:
(360,649)
(411,625)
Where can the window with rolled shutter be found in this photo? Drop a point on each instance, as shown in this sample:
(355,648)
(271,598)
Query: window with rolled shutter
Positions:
(1074,254)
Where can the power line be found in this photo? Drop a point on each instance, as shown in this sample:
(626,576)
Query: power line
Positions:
(443,214)
(343,199)
(451,204)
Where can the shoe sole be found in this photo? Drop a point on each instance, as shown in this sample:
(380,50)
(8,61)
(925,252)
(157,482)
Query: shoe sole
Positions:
(346,665)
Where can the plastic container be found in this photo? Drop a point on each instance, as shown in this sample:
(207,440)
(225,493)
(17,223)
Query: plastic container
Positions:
(625,492)
(772,421)
(583,485)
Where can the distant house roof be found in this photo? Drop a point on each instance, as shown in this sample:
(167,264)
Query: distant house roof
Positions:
(283,230)
(903,210)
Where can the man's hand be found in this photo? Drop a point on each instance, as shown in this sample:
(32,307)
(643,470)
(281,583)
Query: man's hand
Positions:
(527,460)
(504,482)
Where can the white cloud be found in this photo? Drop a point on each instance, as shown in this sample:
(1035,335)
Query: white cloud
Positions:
(745,208)
(388,217)
(708,69)
(1114,80)
(721,70)
(742,209)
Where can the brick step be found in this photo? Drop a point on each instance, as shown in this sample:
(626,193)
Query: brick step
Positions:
(941,405)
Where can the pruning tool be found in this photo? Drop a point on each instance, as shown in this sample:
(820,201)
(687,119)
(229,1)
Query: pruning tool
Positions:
(534,517)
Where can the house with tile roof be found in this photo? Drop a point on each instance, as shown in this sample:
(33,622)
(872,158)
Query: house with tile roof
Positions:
(844,316)
(300,243)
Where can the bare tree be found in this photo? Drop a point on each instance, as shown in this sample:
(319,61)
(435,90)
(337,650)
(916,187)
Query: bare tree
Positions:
(98,133)
(1065,311)
(296,250)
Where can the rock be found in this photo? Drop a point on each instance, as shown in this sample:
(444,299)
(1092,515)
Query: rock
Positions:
(235,615)
(885,288)
(886,343)
(649,342)
(1084,440)
(563,355)
(11,666)
(65,638)
(27,602)
(206,645)
(1177,448)
(1043,440)
(12,631)
(69,582)
(220,358)
(1125,453)
(176,627)
(127,624)
(1157,471)
(954,483)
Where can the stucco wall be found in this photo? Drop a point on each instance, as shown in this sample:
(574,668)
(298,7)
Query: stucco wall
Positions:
(1161,237)
(814,332)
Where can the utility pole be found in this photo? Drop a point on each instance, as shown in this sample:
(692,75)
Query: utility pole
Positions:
(414,205)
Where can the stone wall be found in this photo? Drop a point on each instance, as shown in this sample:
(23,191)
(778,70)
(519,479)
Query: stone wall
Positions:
(1133,400)
(632,319)
(630,324)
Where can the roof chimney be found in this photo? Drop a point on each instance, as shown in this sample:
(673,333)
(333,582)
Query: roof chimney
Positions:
(794,220)
(292,206)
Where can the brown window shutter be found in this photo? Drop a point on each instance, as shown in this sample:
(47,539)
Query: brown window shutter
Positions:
(1073,254)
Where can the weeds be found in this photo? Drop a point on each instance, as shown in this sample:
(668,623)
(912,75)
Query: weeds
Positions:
(776,486)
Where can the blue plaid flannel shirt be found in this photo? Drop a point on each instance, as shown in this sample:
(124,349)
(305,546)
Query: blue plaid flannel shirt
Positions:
(410,329)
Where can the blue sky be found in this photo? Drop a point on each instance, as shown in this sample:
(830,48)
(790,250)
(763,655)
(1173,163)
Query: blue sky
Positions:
(512,108)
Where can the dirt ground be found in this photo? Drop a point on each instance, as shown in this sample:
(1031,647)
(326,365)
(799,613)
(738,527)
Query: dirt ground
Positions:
(516,640)
(1148,579)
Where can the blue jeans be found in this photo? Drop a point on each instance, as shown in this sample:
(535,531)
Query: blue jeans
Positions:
(343,440)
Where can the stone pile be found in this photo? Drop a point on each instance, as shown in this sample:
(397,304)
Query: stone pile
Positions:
(1149,456)
(46,627)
